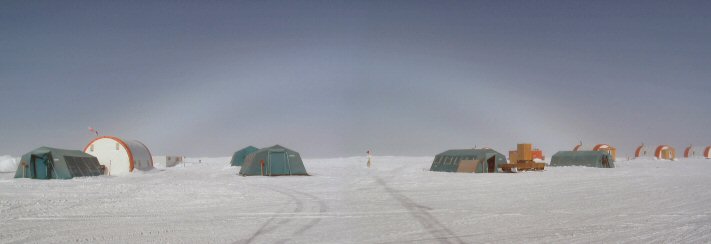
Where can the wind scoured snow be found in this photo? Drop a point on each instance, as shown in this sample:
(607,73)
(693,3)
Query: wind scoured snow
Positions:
(396,201)
(8,163)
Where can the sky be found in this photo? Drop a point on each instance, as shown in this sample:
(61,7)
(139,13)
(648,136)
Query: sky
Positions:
(336,78)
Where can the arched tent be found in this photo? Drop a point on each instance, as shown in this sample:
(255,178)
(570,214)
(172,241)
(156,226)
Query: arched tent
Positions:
(641,151)
(468,161)
(689,152)
(597,159)
(707,152)
(238,156)
(120,156)
(606,148)
(273,161)
(665,152)
(54,163)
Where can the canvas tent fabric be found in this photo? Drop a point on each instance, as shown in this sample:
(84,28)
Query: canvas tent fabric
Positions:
(273,161)
(689,152)
(120,156)
(665,152)
(640,151)
(54,163)
(597,159)
(468,161)
(238,156)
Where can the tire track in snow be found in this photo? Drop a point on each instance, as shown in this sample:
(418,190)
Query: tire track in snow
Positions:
(269,226)
(440,232)
(321,209)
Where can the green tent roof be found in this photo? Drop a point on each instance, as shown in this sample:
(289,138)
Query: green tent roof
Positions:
(55,163)
(583,158)
(238,156)
(452,161)
(277,160)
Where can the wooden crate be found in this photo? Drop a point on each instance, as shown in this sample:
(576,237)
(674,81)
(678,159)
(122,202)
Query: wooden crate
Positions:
(524,152)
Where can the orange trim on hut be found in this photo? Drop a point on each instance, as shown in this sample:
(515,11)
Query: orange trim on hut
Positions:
(128,149)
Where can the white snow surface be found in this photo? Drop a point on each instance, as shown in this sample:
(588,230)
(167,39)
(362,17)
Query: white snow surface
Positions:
(8,163)
(396,201)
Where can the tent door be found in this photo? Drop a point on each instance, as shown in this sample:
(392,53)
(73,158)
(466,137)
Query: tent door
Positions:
(605,162)
(41,166)
(278,163)
(491,164)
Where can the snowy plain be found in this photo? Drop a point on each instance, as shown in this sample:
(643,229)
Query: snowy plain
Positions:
(396,201)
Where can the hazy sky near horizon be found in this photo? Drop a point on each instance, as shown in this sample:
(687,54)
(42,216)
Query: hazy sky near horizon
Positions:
(335,78)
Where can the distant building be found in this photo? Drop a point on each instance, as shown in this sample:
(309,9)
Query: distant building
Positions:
(598,159)
(468,161)
(171,161)
(665,152)
(641,151)
(606,148)
(689,152)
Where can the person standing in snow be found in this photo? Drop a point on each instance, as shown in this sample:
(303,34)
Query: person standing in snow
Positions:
(370,158)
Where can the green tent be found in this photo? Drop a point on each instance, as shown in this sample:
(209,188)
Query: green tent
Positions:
(53,163)
(272,161)
(238,157)
(583,158)
(469,161)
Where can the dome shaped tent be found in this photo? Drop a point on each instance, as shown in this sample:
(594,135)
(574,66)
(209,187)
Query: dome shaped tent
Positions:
(120,156)
(468,161)
(273,161)
(665,152)
(54,163)
(238,156)
(640,151)
(689,152)
(606,148)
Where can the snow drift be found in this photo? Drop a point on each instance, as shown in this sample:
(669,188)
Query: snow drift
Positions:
(8,163)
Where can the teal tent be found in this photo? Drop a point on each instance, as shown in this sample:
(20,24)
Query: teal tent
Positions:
(238,156)
(53,163)
(583,158)
(468,161)
(273,161)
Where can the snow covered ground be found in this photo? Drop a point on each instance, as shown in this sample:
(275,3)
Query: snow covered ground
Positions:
(397,201)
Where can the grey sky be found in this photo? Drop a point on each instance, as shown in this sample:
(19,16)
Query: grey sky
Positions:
(330,78)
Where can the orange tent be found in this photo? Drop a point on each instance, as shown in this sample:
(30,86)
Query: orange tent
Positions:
(640,151)
(665,152)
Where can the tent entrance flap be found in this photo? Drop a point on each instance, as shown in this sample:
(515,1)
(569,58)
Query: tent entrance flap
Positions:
(41,166)
(491,163)
(278,163)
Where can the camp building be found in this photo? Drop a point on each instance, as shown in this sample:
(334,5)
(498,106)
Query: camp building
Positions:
(468,161)
(55,163)
(599,159)
(273,161)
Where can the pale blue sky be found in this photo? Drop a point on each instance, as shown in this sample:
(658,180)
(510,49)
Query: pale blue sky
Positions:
(332,78)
